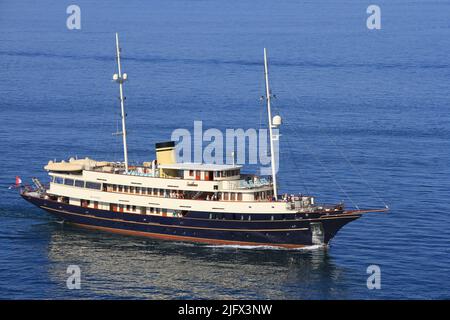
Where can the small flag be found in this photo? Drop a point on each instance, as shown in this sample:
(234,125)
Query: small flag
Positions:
(17,185)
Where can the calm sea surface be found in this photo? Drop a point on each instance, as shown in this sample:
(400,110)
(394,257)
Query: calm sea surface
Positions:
(366,120)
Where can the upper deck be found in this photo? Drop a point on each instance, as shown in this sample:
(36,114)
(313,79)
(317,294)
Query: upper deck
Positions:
(189,177)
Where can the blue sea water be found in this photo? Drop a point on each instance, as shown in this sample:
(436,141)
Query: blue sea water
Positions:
(366,120)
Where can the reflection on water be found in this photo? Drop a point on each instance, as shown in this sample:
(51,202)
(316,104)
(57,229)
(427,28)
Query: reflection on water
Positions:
(114,266)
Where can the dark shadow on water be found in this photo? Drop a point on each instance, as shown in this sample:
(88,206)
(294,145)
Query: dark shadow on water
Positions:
(115,266)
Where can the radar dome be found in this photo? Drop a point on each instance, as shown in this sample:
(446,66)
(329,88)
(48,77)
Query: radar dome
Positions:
(276,121)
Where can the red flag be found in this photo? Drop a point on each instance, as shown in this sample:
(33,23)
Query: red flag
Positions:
(18,181)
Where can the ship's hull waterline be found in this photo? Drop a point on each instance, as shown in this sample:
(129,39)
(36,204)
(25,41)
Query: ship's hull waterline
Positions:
(281,233)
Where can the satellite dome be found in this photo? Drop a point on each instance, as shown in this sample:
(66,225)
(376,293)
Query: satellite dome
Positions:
(276,121)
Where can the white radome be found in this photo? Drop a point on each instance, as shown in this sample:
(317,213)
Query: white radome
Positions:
(115,76)
(276,121)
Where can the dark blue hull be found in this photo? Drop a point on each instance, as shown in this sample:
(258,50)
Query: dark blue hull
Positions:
(289,233)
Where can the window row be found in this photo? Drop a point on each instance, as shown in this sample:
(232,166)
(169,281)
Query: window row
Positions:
(166,193)
(77,183)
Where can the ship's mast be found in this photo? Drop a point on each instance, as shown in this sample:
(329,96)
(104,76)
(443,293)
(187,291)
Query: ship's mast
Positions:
(120,78)
(269,113)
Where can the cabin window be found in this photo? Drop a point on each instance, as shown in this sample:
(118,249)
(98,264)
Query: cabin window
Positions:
(79,183)
(59,180)
(225,196)
(152,210)
(143,190)
(133,208)
(68,182)
(125,189)
(239,196)
(191,173)
(128,207)
(114,187)
(93,185)
(232,196)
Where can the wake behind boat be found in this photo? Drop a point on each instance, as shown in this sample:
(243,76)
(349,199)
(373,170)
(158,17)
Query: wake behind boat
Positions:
(198,202)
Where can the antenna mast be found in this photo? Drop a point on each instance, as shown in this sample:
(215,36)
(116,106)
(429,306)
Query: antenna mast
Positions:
(269,113)
(120,79)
